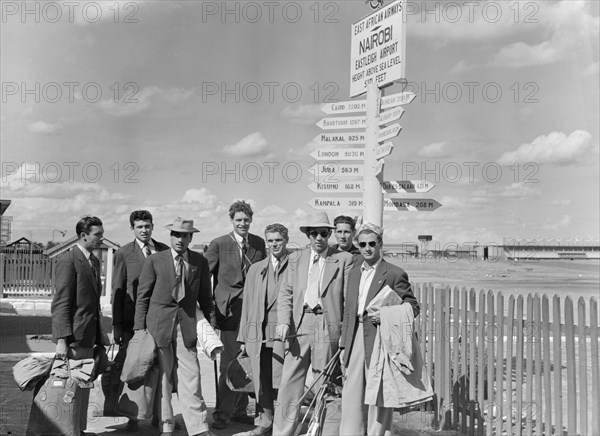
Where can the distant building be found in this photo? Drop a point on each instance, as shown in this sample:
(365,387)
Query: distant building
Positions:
(5,223)
(550,249)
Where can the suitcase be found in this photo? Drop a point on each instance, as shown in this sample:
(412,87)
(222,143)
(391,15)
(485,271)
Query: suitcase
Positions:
(59,408)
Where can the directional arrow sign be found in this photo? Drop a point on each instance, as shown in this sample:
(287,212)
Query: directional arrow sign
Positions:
(345,107)
(339,154)
(404,186)
(342,123)
(384,150)
(389,132)
(332,171)
(412,204)
(335,203)
(379,167)
(350,138)
(389,116)
(397,99)
(337,187)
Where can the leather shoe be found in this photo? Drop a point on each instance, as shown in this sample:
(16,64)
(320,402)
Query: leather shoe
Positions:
(132,426)
(219,424)
(257,431)
(243,419)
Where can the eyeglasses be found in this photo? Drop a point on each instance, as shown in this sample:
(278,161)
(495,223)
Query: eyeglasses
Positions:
(315,233)
(372,244)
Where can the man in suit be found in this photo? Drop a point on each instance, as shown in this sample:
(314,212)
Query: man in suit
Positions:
(344,233)
(259,322)
(128,263)
(229,258)
(311,304)
(171,285)
(359,330)
(75,308)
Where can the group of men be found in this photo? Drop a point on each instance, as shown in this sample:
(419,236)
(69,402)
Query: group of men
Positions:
(288,310)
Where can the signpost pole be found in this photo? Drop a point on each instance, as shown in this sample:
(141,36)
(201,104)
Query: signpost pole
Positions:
(372,196)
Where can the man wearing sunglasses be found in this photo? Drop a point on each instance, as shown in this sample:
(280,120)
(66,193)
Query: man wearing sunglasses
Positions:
(366,280)
(310,309)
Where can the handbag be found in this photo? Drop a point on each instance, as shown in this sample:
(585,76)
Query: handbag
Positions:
(239,374)
(105,395)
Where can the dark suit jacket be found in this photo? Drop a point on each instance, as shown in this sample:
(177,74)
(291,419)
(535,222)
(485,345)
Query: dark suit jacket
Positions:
(225,262)
(128,264)
(156,308)
(76,304)
(386,274)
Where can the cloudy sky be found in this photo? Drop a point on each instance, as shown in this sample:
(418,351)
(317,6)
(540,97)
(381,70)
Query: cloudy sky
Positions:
(182,107)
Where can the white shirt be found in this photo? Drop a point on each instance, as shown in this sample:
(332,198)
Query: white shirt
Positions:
(85,252)
(240,242)
(142,246)
(366,278)
(185,262)
(321,264)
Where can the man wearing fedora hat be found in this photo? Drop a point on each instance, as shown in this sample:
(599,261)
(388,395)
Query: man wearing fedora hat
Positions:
(310,310)
(172,282)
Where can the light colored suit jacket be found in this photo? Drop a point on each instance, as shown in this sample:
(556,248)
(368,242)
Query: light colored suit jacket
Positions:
(156,308)
(253,317)
(333,290)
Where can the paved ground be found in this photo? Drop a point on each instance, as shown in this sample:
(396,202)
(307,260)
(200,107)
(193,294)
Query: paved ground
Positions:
(27,330)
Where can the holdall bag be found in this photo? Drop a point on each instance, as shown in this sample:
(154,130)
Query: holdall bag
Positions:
(239,374)
(141,352)
(137,399)
(59,406)
(105,395)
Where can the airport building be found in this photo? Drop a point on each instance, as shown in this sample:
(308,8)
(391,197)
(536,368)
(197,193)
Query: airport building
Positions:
(551,249)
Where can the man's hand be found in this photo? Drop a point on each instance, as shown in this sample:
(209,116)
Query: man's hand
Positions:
(343,362)
(375,319)
(118,334)
(243,349)
(282,331)
(61,349)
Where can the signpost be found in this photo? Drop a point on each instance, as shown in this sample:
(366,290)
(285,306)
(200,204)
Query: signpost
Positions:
(342,187)
(342,138)
(377,60)
(339,154)
(397,99)
(342,123)
(389,116)
(377,48)
(344,107)
(332,171)
(401,204)
(406,186)
(411,204)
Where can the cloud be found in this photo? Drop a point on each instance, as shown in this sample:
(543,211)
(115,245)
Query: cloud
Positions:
(44,128)
(591,70)
(569,24)
(303,113)
(519,190)
(555,148)
(250,146)
(436,149)
(560,202)
(557,225)
(132,101)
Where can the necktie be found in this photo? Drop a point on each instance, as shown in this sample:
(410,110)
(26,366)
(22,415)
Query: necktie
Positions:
(313,291)
(277,267)
(93,264)
(245,260)
(147,251)
(178,290)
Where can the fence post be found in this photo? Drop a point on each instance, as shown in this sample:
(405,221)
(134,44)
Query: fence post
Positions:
(2,267)
(583,383)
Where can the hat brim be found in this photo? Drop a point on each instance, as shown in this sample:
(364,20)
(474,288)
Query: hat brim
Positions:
(181,230)
(304,229)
